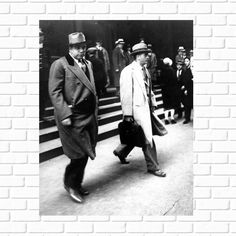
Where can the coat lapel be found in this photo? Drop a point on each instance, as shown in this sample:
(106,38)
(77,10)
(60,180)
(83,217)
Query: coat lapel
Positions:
(137,75)
(80,75)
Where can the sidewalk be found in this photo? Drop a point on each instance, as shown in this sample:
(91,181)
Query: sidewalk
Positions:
(117,189)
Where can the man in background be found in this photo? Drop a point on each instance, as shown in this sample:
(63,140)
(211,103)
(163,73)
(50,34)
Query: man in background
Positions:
(119,63)
(102,54)
(44,65)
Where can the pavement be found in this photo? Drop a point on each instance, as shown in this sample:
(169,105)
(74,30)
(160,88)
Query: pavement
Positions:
(117,189)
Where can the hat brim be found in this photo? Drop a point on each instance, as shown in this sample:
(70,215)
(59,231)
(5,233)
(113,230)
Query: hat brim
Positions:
(140,51)
(120,43)
(72,44)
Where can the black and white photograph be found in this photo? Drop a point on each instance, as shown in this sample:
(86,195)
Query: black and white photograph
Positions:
(116,117)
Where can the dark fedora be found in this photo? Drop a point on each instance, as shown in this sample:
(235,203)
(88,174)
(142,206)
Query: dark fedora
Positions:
(140,48)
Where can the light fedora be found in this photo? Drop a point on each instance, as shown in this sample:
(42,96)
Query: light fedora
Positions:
(119,41)
(181,48)
(167,61)
(76,37)
(140,48)
(92,50)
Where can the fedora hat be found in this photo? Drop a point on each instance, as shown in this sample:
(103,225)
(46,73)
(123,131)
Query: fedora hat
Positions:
(140,48)
(76,38)
(119,41)
(167,61)
(92,50)
(181,48)
(179,63)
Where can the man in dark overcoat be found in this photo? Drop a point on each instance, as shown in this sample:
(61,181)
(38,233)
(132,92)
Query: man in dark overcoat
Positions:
(73,95)
(99,73)
(119,63)
(187,89)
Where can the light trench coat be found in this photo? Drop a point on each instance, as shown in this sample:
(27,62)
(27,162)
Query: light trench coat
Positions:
(134,101)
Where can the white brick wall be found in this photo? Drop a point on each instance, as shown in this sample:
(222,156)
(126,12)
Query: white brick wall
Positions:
(214,123)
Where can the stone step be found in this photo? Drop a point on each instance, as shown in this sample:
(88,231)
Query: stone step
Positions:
(102,102)
(103,109)
(50,133)
(52,148)
(109,116)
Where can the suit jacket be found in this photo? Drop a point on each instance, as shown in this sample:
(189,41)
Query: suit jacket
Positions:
(135,102)
(187,81)
(73,95)
(105,58)
(119,63)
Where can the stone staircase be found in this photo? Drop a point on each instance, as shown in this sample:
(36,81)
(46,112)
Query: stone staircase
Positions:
(109,115)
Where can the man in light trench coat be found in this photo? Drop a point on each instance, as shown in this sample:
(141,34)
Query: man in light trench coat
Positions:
(73,95)
(136,103)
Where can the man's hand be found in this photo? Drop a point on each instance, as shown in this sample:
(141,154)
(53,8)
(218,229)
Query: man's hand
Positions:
(129,118)
(66,122)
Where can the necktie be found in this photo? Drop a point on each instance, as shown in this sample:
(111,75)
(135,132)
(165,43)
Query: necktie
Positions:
(145,78)
(82,64)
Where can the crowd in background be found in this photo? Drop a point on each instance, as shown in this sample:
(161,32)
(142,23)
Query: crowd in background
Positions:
(176,79)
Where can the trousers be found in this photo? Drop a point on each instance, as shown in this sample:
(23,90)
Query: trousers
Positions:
(150,154)
(74,172)
(187,111)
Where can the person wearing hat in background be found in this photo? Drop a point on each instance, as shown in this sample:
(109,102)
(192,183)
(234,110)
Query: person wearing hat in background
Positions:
(44,66)
(119,63)
(73,95)
(98,71)
(129,58)
(191,60)
(169,91)
(179,57)
(187,90)
(152,64)
(179,77)
(102,54)
(135,82)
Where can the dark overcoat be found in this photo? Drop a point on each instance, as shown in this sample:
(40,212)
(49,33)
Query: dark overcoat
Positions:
(119,63)
(169,88)
(187,81)
(98,73)
(73,95)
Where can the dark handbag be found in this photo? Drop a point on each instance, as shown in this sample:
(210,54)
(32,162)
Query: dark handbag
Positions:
(131,134)
(158,128)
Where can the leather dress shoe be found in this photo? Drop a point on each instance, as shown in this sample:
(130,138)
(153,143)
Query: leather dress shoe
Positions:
(167,122)
(172,121)
(186,121)
(122,159)
(83,191)
(158,173)
(75,195)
